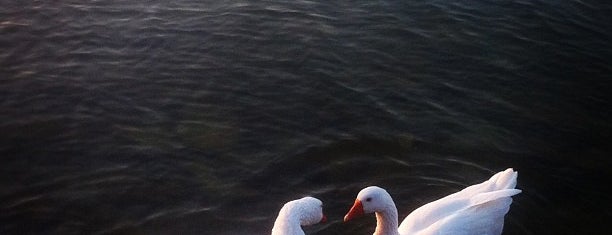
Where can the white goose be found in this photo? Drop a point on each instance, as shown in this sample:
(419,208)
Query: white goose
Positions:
(477,209)
(294,214)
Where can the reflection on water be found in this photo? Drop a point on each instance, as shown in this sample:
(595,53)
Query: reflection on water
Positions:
(187,117)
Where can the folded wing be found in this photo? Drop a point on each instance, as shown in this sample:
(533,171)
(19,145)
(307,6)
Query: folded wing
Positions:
(477,209)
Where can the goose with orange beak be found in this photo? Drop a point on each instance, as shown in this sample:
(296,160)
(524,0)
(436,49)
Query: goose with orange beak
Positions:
(478,209)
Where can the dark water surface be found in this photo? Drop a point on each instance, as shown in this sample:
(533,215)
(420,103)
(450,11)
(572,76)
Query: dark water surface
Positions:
(204,117)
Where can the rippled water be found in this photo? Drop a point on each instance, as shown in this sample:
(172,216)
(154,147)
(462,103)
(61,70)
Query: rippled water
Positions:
(191,117)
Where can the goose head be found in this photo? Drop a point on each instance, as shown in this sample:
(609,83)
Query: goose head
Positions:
(310,211)
(294,214)
(369,200)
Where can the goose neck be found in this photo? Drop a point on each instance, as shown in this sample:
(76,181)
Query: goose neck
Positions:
(386,221)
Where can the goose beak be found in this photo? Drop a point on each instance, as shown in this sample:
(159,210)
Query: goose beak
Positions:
(324,219)
(355,211)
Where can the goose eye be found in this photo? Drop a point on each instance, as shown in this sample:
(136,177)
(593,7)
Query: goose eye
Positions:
(368,199)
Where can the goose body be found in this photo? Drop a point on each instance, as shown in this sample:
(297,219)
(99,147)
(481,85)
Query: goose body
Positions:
(297,213)
(477,209)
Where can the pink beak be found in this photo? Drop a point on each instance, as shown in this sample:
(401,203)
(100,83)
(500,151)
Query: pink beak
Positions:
(324,219)
(355,211)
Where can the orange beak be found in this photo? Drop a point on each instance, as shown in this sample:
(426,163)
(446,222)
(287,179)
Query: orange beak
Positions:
(324,219)
(355,211)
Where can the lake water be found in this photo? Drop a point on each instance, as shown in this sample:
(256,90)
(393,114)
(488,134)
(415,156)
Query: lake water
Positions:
(204,117)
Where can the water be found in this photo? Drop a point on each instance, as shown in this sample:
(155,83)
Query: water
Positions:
(190,117)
